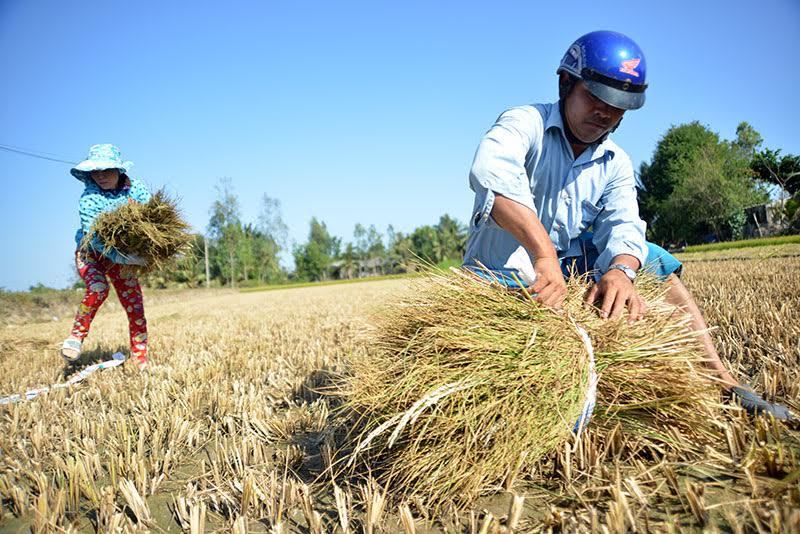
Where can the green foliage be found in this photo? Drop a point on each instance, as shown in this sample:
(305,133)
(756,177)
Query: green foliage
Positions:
(444,241)
(313,258)
(311,262)
(791,208)
(452,238)
(698,184)
(425,243)
(747,141)
(783,171)
(242,253)
(673,155)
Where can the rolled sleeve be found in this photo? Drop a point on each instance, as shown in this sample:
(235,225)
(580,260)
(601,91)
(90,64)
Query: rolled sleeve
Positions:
(618,229)
(499,164)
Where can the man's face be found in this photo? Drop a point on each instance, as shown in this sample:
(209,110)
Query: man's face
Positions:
(106,179)
(588,117)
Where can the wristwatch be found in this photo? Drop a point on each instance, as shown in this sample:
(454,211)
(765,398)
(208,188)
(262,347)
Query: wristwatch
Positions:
(630,273)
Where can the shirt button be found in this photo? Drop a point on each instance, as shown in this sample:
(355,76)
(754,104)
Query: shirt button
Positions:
(565,197)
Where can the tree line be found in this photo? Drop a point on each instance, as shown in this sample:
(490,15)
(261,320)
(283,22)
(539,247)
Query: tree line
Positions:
(236,253)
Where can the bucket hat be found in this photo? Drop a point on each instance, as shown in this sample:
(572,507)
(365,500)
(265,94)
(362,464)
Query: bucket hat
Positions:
(101,157)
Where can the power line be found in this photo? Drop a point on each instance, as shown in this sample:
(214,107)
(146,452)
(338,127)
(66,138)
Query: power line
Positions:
(34,154)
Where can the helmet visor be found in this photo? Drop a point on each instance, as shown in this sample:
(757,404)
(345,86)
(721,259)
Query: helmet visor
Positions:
(615,97)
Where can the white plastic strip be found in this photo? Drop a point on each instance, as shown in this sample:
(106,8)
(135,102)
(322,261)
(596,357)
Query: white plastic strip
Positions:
(116,359)
(591,392)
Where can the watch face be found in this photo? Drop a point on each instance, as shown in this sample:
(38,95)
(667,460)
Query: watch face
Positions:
(630,273)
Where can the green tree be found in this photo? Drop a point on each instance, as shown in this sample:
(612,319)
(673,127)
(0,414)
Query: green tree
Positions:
(375,247)
(425,244)
(318,233)
(783,171)
(398,251)
(360,241)
(273,234)
(270,221)
(452,238)
(674,153)
(711,196)
(349,260)
(311,262)
(225,229)
(697,184)
(748,140)
(314,257)
(245,250)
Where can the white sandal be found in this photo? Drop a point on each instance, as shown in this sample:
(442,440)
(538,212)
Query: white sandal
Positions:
(71,349)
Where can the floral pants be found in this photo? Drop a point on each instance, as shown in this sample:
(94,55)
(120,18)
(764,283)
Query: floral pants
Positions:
(96,271)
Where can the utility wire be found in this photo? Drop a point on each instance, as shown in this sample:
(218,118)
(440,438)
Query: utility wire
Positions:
(33,154)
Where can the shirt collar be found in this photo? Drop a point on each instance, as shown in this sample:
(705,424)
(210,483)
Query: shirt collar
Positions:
(598,150)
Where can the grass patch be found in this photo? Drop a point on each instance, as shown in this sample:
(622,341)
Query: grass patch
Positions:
(744,243)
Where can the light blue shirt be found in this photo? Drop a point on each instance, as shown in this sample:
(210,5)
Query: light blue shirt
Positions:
(526,157)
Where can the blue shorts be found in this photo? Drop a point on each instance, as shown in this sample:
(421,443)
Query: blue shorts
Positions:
(658,262)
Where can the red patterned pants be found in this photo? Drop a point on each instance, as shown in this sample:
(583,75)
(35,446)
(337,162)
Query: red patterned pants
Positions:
(96,271)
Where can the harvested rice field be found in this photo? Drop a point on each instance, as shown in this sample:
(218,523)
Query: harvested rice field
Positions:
(230,430)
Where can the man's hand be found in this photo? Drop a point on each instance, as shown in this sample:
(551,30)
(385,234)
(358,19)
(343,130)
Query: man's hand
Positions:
(615,291)
(522,222)
(549,286)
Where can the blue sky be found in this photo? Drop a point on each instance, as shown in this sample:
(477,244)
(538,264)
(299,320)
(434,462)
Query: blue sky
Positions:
(353,112)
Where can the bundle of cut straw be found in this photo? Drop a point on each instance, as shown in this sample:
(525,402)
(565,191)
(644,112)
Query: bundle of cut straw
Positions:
(467,383)
(154,231)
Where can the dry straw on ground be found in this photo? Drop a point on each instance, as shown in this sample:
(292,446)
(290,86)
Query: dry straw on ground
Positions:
(467,384)
(226,434)
(154,231)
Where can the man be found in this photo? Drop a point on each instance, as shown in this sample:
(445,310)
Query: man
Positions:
(546,174)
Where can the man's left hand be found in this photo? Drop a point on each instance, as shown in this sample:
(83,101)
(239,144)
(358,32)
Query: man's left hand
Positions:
(615,292)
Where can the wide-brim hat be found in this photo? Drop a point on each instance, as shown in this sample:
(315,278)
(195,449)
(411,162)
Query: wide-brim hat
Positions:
(101,157)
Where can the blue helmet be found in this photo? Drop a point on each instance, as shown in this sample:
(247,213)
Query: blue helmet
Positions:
(611,65)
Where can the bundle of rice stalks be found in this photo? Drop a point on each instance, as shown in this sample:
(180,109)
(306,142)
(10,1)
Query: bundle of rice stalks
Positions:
(655,382)
(154,231)
(468,383)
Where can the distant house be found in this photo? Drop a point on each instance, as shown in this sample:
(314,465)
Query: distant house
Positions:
(341,270)
(764,219)
(346,270)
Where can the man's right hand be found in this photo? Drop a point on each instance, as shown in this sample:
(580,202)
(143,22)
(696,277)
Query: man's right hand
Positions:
(522,222)
(549,286)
